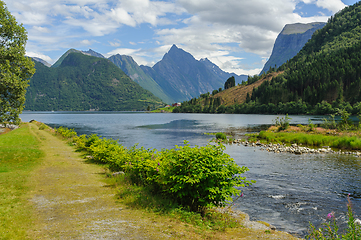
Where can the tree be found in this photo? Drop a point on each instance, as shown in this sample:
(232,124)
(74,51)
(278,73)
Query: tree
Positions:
(231,82)
(15,69)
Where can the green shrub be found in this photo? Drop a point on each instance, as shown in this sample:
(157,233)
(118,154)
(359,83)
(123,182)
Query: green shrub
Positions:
(221,136)
(200,177)
(194,177)
(66,132)
(282,123)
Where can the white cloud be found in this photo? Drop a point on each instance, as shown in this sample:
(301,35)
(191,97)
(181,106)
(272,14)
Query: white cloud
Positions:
(122,51)
(85,42)
(215,29)
(115,43)
(39,55)
(332,5)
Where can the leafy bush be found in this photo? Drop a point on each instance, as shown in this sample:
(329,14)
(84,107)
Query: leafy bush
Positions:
(221,136)
(66,132)
(282,123)
(200,177)
(194,177)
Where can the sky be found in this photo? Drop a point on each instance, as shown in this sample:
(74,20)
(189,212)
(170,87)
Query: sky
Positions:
(236,35)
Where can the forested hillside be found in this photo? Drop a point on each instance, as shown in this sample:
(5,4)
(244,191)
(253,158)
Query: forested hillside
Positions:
(82,82)
(323,77)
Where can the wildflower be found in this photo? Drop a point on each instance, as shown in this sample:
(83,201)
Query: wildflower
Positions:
(157,170)
(330,215)
(241,195)
(158,164)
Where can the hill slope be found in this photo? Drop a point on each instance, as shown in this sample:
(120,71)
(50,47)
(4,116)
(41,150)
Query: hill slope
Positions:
(82,82)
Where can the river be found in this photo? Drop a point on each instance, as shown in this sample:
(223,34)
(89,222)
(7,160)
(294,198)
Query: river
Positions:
(291,190)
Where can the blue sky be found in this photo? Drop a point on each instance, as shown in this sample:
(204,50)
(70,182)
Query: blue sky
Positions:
(237,35)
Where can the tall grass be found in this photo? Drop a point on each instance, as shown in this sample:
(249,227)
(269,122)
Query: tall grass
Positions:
(316,140)
(19,154)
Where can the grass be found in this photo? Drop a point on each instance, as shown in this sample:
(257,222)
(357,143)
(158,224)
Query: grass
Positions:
(164,109)
(341,140)
(139,197)
(19,154)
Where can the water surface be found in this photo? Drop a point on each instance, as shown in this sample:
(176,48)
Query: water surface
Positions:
(291,190)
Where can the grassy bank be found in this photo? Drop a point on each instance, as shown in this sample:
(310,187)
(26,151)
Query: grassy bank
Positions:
(19,155)
(313,137)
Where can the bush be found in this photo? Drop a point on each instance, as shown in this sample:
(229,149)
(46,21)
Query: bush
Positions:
(66,132)
(200,177)
(221,136)
(194,177)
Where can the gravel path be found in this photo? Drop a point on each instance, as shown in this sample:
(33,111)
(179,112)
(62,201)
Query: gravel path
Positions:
(71,200)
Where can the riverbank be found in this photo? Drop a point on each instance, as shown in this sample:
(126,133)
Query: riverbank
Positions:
(305,140)
(65,197)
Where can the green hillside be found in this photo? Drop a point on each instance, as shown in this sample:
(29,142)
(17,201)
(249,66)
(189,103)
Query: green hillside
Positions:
(323,77)
(328,68)
(82,82)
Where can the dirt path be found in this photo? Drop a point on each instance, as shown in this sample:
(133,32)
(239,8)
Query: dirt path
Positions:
(71,200)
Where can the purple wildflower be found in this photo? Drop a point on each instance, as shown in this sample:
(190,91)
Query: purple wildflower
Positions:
(330,215)
(157,170)
(158,164)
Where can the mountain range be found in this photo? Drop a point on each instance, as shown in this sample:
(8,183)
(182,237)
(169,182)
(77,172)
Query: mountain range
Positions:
(81,82)
(177,77)
(323,78)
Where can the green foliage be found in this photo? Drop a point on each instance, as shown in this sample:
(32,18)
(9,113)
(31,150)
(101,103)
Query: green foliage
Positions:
(282,123)
(317,140)
(345,122)
(221,136)
(231,82)
(201,177)
(194,177)
(84,82)
(15,68)
(253,79)
(329,124)
(326,69)
(331,229)
(66,133)
(138,196)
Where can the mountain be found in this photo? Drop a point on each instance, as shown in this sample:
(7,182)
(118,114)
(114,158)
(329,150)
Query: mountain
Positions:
(82,82)
(183,77)
(222,74)
(93,53)
(60,60)
(133,70)
(323,78)
(290,41)
(41,61)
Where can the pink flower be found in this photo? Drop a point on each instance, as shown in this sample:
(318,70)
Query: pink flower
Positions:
(157,170)
(241,195)
(158,164)
(330,215)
